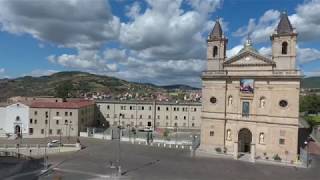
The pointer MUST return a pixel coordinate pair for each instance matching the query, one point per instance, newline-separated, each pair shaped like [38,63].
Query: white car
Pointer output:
[54,143]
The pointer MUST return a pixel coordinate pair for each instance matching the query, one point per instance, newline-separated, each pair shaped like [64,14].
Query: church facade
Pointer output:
[250,102]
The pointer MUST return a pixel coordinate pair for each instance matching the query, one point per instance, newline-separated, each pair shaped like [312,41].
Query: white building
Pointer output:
[14,119]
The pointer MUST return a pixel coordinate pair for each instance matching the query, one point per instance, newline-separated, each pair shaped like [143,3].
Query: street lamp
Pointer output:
[119,147]
[307,149]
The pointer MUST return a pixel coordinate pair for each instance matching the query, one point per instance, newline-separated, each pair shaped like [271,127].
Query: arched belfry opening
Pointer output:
[284,48]
[244,140]
[215,51]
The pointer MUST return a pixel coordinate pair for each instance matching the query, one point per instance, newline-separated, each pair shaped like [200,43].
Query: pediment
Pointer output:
[249,58]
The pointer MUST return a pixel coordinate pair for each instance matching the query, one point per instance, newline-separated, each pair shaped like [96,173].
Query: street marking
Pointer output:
[82,172]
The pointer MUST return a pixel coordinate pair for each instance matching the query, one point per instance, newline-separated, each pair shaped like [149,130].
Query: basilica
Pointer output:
[250,104]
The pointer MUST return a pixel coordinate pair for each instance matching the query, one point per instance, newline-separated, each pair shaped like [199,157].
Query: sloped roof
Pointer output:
[217,31]
[62,105]
[284,26]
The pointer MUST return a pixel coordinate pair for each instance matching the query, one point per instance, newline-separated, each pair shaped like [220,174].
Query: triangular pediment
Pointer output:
[249,58]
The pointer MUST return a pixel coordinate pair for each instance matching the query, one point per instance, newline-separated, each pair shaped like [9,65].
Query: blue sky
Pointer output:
[157,41]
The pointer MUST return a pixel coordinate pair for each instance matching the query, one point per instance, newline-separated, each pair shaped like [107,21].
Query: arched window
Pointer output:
[215,51]
[284,48]
[18,118]
[262,102]
[229,138]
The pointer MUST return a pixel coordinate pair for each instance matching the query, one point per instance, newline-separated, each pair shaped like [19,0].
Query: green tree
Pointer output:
[64,90]
[310,103]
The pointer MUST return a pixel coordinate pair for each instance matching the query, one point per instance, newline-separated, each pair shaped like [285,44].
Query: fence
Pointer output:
[162,136]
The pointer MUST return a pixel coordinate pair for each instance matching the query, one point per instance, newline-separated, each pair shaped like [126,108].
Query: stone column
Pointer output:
[253,152]
[235,150]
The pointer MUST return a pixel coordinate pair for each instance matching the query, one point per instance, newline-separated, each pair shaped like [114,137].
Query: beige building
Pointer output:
[250,102]
[51,118]
[154,114]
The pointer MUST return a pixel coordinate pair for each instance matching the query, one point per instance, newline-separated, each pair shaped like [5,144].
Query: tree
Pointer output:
[310,104]
[64,90]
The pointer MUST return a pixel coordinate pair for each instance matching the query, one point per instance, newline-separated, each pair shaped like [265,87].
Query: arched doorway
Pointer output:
[17,130]
[244,140]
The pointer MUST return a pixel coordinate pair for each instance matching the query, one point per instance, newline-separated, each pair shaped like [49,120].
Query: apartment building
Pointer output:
[60,118]
[154,114]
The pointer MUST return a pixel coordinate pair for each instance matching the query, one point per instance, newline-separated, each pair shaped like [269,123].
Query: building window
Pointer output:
[149,117]
[211,133]
[230,100]
[46,121]
[30,131]
[31,121]
[70,113]
[65,121]
[65,113]
[192,124]
[35,113]
[108,107]
[140,116]
[158,117]
[115,115]
[167,109]
[57,114]
[167,117]
[18,118]
[262,102]
[184,117]
[50,131]
[174,108]
[176,117]
[215,51]
[57,121]
[283,103]
[108,116]
[175,124]
[213,100]
[150,108]
[158,108]
[35,121]
[177,108]
[142,108]
[195,109]
[282,141]
[132,116]
[58,131]
[193,118]
[42,131]
[284,48]
[167,124]
[115,123]
[130,107]
[245,109]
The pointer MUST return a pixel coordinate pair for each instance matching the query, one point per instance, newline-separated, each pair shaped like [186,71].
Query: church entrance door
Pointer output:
[244,140]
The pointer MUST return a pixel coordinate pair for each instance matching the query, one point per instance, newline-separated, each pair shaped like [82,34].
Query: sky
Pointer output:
[151,41]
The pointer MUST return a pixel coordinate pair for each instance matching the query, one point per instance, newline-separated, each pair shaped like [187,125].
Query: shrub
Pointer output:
[276,157]
[218,150]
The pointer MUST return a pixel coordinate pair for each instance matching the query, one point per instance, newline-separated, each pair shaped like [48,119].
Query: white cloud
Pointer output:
[306,20]
[2,70]
[233,51]
[41,72]
[306,55]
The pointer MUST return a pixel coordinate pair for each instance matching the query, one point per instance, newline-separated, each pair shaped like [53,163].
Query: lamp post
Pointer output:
[119,146]
[307,149]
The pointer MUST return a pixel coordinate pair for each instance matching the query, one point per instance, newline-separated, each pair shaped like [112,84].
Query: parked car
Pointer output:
[54,143]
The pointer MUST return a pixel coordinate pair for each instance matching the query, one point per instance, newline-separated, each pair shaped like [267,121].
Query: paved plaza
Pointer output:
[140,162]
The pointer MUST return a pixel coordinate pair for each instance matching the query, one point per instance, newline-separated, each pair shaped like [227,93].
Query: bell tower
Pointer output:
[284,41]
[216,50]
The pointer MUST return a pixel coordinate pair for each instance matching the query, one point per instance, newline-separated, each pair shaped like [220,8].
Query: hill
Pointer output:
[82,82]
[311,82]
